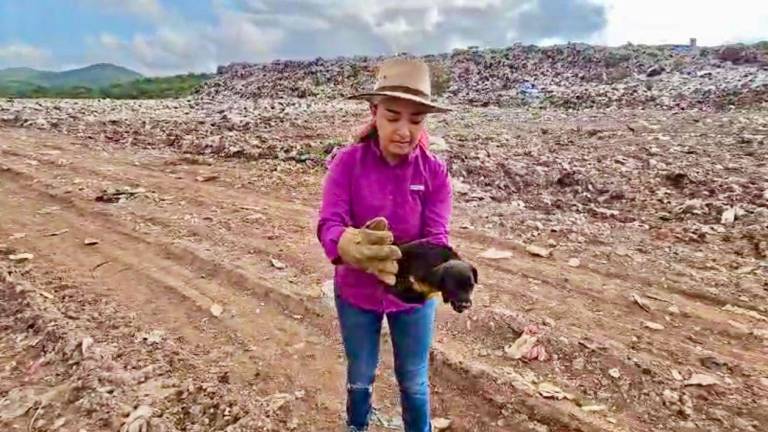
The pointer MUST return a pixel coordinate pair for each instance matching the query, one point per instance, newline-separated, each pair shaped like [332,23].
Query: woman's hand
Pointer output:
[370,248]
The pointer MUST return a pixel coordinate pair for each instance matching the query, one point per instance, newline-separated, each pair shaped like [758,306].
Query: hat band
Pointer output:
[403,89]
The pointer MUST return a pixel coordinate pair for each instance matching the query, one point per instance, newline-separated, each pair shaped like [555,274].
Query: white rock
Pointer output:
[538,251]
[614,373]
[653,326]
[440,424]
[495,254]
[728,217]
[702,380]
[574,262]
[216,310]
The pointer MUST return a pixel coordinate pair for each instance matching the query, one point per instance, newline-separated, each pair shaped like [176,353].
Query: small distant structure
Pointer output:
[692,43]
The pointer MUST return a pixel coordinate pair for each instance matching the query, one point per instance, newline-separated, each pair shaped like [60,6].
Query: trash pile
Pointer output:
[573,76]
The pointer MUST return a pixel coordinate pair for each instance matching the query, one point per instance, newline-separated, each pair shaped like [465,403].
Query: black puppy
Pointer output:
[426,270]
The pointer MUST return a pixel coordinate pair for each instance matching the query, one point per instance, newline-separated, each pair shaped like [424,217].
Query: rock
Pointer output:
[61,421]
[670,397]
[138,421]
[593,408]
[206,177]
[21,257]
[440,424]
[655,71]
[57,233]
[277,264]
[746,312]
[90,242]
[676,375]
[114,195]
[494,254]
[551,391]
[85,345]
[640,302]
[653,326]
[574,262]
[615,373]
[764,382]
[673,310]
[538,251]
[153,337]
[17,236]
[216,310]
[728,217]
[701,380]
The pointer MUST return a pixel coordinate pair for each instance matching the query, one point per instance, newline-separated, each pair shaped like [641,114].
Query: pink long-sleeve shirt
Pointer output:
[414,195]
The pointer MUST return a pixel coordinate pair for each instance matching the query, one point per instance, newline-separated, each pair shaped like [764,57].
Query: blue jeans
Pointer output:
[411,333]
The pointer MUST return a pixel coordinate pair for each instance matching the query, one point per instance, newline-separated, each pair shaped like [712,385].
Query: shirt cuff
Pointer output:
[331,243]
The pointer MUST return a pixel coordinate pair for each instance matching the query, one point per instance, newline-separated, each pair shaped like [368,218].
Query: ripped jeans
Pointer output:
[411,333]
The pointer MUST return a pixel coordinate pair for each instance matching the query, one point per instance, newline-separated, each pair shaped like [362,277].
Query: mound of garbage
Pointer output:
[570,76]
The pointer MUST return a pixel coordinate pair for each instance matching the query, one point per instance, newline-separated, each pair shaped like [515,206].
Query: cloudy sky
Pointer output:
[159,37]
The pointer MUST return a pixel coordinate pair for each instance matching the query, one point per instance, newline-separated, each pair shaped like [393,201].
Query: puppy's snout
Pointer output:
[461,306]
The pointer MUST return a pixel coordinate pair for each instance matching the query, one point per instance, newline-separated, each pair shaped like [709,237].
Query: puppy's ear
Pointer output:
[474,272]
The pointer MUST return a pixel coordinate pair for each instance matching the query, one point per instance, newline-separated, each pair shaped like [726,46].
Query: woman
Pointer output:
[385,188]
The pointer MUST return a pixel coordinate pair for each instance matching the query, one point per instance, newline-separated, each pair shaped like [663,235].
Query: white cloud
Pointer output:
[176,48]
[21,54]
[151,9]
[676,21]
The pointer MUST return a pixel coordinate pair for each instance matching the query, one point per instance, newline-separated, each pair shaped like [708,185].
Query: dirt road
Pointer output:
[195,236]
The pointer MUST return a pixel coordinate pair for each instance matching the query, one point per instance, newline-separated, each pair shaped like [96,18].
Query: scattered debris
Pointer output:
[742,311]
[593,408]
[670,398]
[274,402]
[49,210]
[713,363]
[120,194]
[387,422]
[138,420]
[216,310]
[527,346]
[152,338]
[495,254]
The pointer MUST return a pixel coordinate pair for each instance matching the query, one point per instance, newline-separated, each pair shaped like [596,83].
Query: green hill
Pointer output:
[97,75]
[142,88]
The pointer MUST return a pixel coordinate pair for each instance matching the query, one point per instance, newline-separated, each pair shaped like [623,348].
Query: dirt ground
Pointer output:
[203,303]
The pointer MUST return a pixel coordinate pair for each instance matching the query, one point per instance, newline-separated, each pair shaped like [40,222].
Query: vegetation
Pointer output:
[97,75]
[142,88]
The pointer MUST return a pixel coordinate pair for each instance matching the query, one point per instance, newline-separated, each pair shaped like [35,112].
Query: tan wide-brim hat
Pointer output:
[405,79]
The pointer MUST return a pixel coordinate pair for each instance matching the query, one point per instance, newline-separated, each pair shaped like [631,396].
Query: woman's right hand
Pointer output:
[370,249]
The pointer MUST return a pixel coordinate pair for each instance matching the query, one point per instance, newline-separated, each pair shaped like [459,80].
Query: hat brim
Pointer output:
[431,106]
